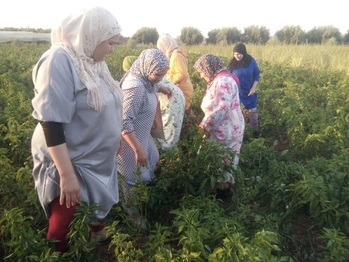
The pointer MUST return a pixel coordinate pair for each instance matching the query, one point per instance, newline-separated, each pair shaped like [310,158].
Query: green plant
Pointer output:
[21,242]
[337,247]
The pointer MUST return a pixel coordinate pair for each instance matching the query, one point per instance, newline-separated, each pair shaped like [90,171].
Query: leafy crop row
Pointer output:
[290,201]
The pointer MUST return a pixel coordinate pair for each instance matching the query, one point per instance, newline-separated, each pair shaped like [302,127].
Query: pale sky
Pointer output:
[202,15]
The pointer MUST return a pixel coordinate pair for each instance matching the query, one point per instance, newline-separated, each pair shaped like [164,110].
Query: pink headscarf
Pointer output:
[167,44]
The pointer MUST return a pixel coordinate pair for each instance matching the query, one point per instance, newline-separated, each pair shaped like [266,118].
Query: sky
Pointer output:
[202,15]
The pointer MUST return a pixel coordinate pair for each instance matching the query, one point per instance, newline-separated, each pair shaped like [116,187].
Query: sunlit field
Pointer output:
[321,57]
[291,197]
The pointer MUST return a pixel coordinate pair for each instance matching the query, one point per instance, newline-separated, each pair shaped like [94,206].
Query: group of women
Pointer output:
[92,127]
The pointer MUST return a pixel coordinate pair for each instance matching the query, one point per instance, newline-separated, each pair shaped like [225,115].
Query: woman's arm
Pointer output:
[57,148]
[217,102]
[255,75]
[253,88]
[69,184]
[140,154]
[165,90]
[133,99]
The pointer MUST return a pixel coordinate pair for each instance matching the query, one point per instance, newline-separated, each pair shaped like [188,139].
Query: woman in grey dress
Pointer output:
[79,107]
[139,151]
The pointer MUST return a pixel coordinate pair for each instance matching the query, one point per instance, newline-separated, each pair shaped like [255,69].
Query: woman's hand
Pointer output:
[252,91]
[119,148]
[70,190]
[69,184]
[141,157]
[253,88]
[166,91]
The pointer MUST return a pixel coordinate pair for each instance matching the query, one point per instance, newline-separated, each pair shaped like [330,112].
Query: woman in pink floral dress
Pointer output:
[223,118]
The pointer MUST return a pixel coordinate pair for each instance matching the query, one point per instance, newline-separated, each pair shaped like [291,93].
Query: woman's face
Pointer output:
[238,56]
[105,48]
[157,77]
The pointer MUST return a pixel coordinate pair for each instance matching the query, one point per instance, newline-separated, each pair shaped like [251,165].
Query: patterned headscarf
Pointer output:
[79,35]
[167,44]
[150,61]
[210,65]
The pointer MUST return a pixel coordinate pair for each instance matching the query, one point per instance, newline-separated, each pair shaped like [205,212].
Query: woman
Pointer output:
[223,118]
[245,67]
[172,109]
[178,72]
[172,113]
[139,152]
[79,107]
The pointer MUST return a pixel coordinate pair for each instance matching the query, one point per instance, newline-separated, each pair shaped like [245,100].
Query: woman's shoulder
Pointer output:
[136,84]
[253,60]
[225,77]
[53,59]
[254,64]
[55,55]
[179,53]
[55,52]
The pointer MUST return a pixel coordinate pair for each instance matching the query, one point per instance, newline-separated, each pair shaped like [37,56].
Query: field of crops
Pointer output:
[8,36]
[291,198]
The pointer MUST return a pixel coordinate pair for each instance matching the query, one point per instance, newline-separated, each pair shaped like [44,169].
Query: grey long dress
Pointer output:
[92,137]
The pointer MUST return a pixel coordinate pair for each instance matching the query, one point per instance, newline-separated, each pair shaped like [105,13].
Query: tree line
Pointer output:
[293,35]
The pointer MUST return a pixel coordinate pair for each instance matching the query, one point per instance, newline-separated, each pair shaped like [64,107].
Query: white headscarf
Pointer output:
[79,35]
[167,44]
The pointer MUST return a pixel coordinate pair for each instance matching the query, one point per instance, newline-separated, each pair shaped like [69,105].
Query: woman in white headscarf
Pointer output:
[79,108]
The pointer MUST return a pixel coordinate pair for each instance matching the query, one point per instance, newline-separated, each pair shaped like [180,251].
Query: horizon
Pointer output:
[2,29]
[134,15]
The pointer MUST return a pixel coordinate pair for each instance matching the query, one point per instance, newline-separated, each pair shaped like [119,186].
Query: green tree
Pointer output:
[323,34]
[191,36]
[212,36]
[291,35]
[146,35]
[314,36]
[330,33]
[229,35]
[256,34]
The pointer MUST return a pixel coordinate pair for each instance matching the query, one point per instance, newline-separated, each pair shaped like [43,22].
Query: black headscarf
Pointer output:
[246,60]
